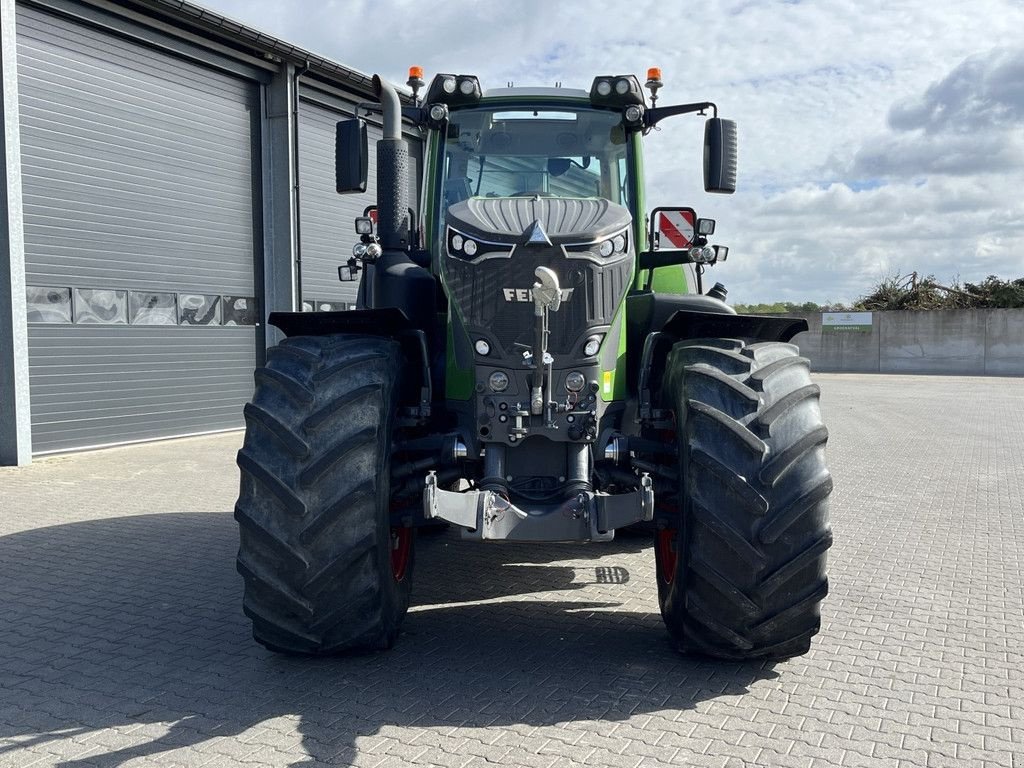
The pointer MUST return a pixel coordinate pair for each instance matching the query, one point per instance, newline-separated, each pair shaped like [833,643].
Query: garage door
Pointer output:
[139,237]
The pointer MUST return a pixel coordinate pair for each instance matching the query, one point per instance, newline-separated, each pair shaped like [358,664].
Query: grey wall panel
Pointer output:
[327,217]
[100,385]
[137,165]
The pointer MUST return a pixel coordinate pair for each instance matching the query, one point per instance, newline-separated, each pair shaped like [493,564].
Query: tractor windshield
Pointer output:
[555,152]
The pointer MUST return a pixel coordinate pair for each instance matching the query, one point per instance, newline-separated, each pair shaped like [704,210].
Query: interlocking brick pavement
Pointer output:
[122,641]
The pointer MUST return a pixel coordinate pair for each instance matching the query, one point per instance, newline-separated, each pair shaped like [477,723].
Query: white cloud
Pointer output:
[875,136]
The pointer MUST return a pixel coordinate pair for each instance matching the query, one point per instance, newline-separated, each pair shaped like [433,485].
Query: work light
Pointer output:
[616,91]
[454,90]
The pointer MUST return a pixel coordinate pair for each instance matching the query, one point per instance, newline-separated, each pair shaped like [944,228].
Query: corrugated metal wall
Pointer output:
[137,176]
[328,232]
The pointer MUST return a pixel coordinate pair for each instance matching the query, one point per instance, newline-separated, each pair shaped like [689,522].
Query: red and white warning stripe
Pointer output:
[676,227]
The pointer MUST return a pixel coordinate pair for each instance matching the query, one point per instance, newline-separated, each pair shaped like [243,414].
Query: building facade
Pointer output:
[169,182]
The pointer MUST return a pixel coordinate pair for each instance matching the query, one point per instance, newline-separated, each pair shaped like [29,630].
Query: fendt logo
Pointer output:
[526,294]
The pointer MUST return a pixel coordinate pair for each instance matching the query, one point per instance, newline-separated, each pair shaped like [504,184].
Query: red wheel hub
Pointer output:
[666,554]
[401,548]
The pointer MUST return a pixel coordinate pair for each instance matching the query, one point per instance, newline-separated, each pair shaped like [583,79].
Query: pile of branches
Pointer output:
[914,293]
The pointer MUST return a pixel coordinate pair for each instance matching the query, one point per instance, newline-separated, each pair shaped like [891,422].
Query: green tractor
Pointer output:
[534,360]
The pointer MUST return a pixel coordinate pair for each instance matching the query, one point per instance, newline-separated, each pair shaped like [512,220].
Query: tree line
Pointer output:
[911,292]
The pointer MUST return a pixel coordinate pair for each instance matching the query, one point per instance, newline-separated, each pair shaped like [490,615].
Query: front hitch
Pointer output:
[586,516]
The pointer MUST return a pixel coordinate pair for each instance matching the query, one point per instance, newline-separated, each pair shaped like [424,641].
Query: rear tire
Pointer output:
[324,570]
[741,559]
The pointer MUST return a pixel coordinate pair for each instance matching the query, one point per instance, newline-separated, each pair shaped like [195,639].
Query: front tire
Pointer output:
[325,572]
[741,554]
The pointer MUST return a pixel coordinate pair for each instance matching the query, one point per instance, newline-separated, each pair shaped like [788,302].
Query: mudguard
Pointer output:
[387,321]
[688,324]
[657,321]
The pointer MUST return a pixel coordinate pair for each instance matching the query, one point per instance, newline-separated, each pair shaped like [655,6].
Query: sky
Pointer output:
[877,137]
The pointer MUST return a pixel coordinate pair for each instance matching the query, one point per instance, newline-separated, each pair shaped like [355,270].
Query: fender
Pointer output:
[389,322]
[691,324]
[657,321]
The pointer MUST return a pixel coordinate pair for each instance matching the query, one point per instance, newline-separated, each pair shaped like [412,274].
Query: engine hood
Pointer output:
[563,221]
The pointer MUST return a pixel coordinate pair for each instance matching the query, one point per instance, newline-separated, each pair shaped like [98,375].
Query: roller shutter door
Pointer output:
[327,228]
[139,236]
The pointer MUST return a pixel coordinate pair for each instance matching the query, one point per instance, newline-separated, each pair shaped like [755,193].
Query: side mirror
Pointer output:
[720,152]
[351,156]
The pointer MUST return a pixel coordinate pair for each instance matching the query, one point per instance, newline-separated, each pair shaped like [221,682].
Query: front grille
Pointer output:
[479,290]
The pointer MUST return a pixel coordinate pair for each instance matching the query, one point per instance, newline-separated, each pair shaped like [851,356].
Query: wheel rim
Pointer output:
[401,548]
[667,555]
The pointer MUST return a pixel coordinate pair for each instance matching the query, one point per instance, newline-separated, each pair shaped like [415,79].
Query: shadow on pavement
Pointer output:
[135,623]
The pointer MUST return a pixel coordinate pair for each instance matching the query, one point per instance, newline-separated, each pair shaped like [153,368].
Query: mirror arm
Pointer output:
[656,259]
[653,116]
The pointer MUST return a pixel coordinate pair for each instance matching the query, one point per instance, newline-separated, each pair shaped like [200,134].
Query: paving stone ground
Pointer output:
[122,641]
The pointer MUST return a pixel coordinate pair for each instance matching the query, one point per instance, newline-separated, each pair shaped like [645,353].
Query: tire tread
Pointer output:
[752,507]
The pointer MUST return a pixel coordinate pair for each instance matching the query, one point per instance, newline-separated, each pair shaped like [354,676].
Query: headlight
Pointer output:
[482,347]
[604,87]
[498,381]
[592,346]
[606,248]
[359,250]
[464,247]
[448,84]
[622,86]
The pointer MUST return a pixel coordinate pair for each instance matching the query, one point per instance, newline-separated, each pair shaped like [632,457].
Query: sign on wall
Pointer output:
[832,322]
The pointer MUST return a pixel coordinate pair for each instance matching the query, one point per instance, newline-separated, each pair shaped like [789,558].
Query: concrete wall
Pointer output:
[962,341]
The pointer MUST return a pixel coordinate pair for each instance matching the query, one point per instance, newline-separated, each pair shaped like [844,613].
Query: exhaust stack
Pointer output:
[392,173]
